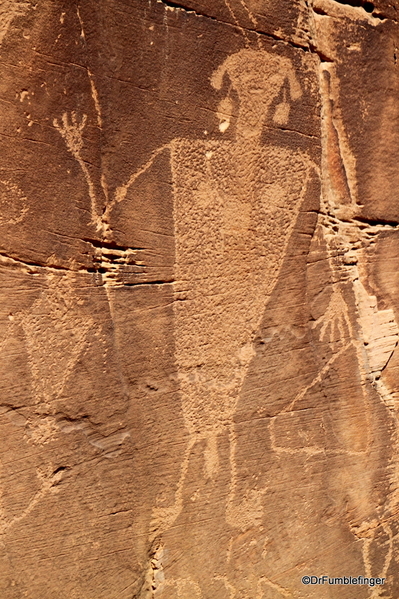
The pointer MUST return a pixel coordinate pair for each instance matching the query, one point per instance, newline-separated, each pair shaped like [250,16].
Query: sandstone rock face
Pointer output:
[199,316]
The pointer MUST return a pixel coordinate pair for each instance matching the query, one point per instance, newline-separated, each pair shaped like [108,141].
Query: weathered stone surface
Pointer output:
[199,254]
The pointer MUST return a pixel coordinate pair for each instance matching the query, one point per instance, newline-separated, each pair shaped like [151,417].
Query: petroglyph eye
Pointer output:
[205,196]
[256,90]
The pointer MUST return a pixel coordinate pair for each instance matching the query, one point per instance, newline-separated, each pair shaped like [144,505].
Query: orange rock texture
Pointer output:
[199,299]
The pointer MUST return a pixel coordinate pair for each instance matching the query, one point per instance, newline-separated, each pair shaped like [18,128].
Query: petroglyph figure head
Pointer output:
[257,77]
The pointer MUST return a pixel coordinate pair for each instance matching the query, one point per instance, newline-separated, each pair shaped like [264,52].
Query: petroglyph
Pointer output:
[339,163]
[333,326]
[230,213]
[55,331]
[185,588]
[373,333]
[255,334]
[49,481]
[264,580]
[248,512]
[232,14]
[164,517]
[335,322]
[13,203]
[234,211]
[377,331]
[251,16]
[366,531]
[96,99]
[71,129]
[9,10]
[229,587]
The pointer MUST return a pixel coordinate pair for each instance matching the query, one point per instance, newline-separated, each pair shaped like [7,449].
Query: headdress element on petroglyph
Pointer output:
[257,77]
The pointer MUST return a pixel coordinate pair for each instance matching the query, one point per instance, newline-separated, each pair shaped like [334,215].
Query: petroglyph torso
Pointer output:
[235,206]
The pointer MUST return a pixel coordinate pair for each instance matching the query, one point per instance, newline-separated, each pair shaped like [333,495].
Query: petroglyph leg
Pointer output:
[229,587]
[264,580]
[211,456]
[56,333]
[13,203]
[245,511]
[318,378]
[367,533]
[233,15]
[164,517]
[250,14]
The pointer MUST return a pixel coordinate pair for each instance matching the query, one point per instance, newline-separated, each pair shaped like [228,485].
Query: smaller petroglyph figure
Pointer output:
[372,333]
[369,335]
[9,9]
[13,203]
[55,331]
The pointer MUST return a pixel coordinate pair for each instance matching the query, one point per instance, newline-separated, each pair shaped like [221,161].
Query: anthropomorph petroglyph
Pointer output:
[234,210]
[374,333]
[370,336]
[9,9]
[13,203]
[55,331]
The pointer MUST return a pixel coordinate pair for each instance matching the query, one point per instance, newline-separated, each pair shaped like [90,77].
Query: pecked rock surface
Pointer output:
[199,257]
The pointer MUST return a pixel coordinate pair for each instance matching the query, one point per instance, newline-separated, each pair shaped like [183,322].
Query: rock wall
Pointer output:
[199,281]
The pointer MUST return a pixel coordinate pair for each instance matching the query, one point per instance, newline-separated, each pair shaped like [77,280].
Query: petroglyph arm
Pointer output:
[71,129]
[121,191]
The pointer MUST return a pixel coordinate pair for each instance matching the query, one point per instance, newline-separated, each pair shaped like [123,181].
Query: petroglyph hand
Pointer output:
[71,130]
[335,323]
